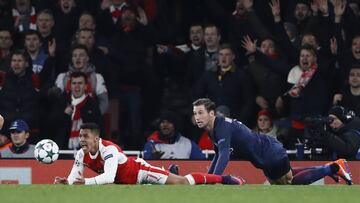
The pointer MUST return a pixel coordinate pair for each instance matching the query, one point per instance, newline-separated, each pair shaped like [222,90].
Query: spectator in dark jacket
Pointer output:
[309,81]
[229,86]
[343,136]
[19,94]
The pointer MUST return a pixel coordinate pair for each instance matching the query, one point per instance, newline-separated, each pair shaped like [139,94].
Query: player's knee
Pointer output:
[177,180]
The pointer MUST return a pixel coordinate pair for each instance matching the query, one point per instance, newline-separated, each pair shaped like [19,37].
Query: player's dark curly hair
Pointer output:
[208,104]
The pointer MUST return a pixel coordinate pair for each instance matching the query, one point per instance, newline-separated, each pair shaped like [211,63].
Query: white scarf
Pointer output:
[76,101]
[16,16]
[116,11]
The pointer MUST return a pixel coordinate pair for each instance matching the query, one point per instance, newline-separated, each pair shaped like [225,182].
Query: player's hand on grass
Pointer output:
[61,180]
[79,180]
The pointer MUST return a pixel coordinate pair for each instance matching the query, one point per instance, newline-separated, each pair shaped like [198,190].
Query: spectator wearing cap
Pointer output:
[343,136]
[169,143]
[20,148]
[265,125]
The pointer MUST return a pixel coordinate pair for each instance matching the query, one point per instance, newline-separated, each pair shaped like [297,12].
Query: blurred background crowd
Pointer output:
[136,66]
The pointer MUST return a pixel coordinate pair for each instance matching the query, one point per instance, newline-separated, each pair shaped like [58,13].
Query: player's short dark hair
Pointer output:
[208,104]
[93,127]
[78,74]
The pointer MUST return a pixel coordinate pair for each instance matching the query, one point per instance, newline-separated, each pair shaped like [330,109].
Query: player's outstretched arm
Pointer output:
[213,163]
[222,161]
[77,169]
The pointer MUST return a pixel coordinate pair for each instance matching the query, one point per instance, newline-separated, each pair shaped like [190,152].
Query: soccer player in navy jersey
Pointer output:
[264,152]
[113,166]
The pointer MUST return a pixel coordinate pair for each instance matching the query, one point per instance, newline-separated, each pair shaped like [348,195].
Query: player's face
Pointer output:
[354,77]
[89,142]
[18,138]
[202,116]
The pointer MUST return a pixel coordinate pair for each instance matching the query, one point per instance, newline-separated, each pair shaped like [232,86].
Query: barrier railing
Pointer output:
[207,153]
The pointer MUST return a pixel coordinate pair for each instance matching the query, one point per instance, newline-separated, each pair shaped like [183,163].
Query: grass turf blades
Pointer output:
[179,193]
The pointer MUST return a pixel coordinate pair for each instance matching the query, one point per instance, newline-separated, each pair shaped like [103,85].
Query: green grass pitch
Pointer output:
[178,193]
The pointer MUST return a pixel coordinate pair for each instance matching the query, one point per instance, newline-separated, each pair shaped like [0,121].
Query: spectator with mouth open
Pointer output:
[309,95]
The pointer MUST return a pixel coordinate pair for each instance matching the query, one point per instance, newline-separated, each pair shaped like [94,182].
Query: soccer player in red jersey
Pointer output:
[113,166]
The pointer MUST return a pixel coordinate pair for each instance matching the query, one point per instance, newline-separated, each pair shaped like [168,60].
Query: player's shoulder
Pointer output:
[225,121]
[110,145]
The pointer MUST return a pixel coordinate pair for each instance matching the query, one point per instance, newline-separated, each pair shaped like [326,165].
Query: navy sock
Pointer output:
[311,175]
[299,169]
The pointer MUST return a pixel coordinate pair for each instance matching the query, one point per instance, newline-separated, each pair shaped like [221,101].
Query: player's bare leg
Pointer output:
[176,180]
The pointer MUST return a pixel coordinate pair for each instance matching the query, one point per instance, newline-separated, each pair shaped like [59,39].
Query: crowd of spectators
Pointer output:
[120,63]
